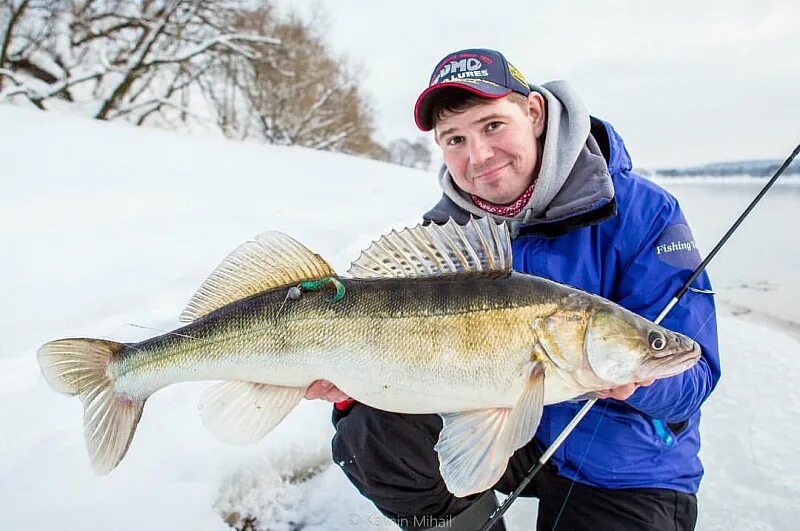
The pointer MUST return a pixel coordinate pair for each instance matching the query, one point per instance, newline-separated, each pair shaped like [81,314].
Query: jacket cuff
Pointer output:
[344,405]
[341,409]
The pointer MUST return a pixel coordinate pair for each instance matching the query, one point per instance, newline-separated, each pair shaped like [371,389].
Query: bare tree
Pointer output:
[119,58]
[169,62]
[297,94]
[415,154]
[25,26]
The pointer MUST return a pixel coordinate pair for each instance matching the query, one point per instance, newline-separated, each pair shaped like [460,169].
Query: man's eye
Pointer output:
[453,140]
[491,126]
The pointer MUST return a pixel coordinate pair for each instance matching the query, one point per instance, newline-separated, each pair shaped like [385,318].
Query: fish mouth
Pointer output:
[670,365]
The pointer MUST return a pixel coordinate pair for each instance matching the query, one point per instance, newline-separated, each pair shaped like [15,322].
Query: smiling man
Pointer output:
[532,156]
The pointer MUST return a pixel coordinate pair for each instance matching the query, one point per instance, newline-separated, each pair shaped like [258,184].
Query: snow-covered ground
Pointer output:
[106,230]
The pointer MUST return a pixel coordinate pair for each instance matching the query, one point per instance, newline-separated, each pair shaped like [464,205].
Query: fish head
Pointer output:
[621,347]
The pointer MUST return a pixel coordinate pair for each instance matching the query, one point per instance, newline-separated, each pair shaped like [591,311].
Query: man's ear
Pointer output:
[536,110]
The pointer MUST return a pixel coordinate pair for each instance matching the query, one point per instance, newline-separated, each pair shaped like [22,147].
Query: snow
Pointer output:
[106,230]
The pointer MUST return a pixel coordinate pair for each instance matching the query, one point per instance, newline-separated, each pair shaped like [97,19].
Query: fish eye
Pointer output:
[657,340]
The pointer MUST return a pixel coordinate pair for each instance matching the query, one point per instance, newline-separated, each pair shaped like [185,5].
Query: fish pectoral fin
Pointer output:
[244,412]
[474,446]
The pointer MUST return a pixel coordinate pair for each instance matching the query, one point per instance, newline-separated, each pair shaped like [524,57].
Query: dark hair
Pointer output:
[455,101]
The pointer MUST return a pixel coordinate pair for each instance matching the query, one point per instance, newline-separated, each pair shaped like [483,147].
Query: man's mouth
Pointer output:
[490,174]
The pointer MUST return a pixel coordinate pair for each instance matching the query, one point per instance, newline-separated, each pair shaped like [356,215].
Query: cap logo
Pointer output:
[465,68]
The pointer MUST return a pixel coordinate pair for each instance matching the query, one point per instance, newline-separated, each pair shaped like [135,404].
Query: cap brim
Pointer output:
[422,109]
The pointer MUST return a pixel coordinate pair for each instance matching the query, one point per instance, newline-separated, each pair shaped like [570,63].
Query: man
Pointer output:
[533,157]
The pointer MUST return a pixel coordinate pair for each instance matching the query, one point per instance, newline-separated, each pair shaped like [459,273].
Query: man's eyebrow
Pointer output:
[487,118]
[493,116]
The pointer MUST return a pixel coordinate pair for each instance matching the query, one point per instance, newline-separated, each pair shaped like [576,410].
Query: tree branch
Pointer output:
[16,15]
[220,40]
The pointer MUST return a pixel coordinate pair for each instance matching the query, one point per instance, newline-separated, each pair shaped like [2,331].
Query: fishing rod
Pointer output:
[585,409]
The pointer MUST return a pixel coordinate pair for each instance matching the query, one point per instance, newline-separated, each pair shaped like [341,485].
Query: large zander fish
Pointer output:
[433,320]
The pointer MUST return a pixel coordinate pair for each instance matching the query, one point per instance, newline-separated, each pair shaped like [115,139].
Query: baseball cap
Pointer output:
[486,73]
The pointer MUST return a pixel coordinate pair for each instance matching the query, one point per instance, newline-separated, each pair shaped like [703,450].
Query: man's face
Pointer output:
[492,149]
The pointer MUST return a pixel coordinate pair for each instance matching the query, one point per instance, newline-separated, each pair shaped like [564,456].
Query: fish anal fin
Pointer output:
[474,446]
[244,412]
[271,260]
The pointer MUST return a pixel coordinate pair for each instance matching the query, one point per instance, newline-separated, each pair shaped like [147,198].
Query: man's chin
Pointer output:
[502,199]
[495,192]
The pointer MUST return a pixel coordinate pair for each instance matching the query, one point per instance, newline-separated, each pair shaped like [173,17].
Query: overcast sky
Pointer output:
[683,82]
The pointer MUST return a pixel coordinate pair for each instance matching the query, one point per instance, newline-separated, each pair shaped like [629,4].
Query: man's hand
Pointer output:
[623,392]
[325,390]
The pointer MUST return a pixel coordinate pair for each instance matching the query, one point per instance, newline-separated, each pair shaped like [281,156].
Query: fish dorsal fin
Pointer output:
[481,247]
[271,260]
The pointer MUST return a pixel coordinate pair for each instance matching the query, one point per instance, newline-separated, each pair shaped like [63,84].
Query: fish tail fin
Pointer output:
[79,367]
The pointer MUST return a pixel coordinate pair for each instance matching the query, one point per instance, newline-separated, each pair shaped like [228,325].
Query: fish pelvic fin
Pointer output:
[271,260]
[79,367]
[244,412]
[474,446]
[480,247]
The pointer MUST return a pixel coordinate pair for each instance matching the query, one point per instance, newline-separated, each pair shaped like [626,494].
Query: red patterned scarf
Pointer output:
[510,210]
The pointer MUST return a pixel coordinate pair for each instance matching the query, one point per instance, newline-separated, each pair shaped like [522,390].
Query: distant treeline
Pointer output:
[752,168]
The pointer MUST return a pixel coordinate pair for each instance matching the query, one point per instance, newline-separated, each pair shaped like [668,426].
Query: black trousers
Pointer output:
[389,457]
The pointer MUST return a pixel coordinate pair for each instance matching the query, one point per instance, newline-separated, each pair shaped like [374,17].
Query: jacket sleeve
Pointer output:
[663,262]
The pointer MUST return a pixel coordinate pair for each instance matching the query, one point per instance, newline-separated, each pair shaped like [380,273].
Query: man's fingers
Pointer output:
[336,395]
[318,389]
[325,390]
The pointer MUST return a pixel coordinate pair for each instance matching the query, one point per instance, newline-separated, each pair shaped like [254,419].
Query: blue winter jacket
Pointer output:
[638,252]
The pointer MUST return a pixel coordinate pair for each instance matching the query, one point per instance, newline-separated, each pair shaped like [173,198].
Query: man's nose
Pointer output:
[479,151]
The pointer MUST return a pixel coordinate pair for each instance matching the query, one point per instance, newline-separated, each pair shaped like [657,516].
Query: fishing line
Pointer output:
[686,286]
[167,332]
[704,324]
[133,346]
[583,460]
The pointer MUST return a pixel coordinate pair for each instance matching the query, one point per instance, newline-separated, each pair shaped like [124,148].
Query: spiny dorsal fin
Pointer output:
[480,246]
[272,260]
